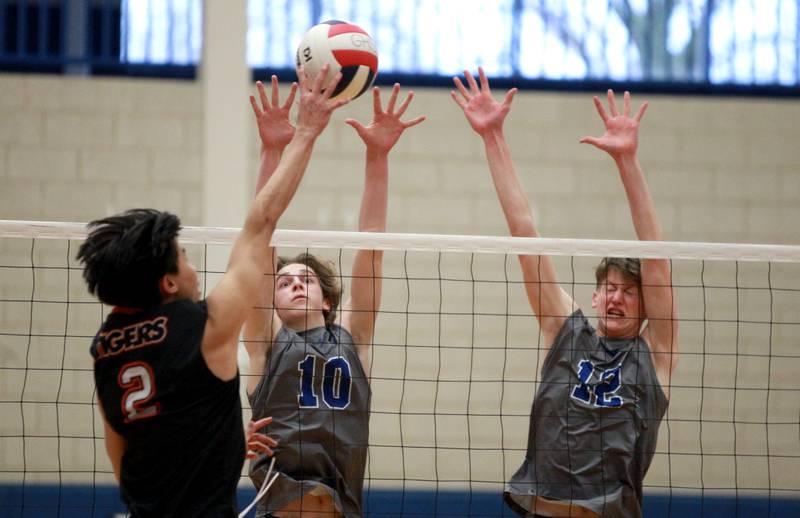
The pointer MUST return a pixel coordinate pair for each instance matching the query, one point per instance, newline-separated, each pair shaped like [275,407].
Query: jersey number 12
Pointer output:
[602,394]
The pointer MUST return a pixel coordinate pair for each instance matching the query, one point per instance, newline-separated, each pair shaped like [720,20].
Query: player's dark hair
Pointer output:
[126,255]
[627,266]
[328,280]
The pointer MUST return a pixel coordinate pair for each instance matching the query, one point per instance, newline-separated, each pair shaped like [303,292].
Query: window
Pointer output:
[739,42]
[161,32]
[119,37]
[675,45]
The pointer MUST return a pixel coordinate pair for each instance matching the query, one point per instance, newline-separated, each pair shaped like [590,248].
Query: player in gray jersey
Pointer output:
[309,364]
[604,388]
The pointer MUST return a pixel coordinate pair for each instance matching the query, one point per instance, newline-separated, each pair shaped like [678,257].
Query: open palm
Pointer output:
[483,112]
[622,131]
[274,127]
[386,127]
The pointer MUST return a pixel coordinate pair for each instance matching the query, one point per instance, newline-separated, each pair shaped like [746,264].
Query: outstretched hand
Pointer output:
[316,105]
[622,131]
[483,112]
[258,443]
[386,127]
[272,118]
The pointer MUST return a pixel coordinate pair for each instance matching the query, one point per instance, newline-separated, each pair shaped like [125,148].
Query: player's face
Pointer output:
[618,305]
[299,300]
[186,278]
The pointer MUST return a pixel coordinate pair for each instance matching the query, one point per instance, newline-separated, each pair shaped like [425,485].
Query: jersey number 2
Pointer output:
[140,386]
[335,383]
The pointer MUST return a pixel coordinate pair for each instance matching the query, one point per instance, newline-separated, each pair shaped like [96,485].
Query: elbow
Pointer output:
[270,223]
[522,228]
[261,219]
[268,216]
[372,228]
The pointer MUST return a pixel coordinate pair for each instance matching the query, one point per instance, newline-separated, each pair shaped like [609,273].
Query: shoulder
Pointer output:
[284,331]
[575,324]
[186,306]
[575,328]
[342,334]
[185,313]
[644,342]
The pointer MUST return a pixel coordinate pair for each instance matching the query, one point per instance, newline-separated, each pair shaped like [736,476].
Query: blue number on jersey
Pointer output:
[583,392]
[307,398]
[607,388]
[604,393]
[336,381]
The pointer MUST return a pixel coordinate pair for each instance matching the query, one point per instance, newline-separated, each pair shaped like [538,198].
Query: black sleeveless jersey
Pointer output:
[182,425]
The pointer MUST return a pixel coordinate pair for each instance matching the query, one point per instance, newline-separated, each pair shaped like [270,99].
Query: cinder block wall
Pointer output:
[74,149]
[720,169]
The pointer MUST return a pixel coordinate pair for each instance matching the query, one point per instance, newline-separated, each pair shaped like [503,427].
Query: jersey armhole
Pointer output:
[568,326]
[661,391]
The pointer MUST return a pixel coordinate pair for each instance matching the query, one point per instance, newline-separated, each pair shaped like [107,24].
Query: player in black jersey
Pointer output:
[602,391]
[309,364]
[166,362]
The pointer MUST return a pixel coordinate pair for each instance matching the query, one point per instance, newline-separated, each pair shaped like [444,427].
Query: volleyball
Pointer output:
[344,47]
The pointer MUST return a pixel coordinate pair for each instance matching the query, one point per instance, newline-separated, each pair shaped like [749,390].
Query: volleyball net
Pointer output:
[456,362]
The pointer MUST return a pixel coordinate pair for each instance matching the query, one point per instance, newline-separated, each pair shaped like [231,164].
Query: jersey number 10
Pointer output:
[335,383]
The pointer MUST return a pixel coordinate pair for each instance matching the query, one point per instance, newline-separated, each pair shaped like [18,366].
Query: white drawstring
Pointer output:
[264,488]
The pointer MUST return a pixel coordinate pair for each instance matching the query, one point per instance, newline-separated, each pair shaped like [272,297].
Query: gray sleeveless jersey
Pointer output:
[315,389]
[593,425]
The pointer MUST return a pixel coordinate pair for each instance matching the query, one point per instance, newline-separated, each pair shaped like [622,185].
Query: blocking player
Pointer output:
[604,388]
[310,359]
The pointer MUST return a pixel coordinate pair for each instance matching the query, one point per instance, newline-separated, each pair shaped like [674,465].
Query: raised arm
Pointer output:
[620,141]
[361,309]
[275,132]
[240,289]
[274,128]
[550,303]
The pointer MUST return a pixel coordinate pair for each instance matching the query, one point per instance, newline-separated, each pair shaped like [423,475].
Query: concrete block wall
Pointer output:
[720,169]
[74,149]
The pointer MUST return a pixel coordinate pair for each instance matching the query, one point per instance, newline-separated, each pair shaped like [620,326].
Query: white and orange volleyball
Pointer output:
[345,47]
